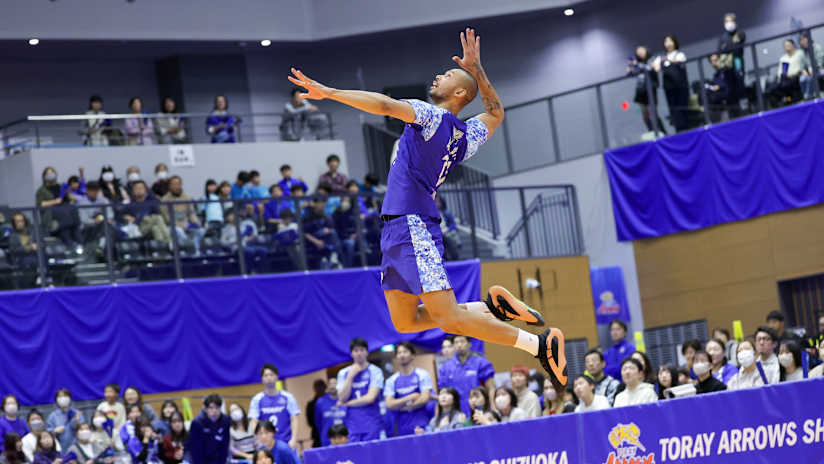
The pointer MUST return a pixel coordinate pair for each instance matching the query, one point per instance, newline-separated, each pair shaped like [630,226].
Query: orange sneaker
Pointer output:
[504,306]
[552,356]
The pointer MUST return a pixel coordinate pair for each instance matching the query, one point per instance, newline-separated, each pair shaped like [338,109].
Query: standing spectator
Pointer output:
[808,74]
[320,390]
[775,321]
[170,128]
[706,382]
[554,400]
[328,412]
[338,435]
[144,211]
[63,421]
[604,384]
[220,124]
[113,410]
[143,445]
[46,452]
[84,448]
[640,67]
[789,356]
[720,368]
[161,185]
[138,130]
[676,86]
[506,403]
[732,58]
[447,352]
[620,349]
[37,424]
[333,178]
[242,434]
[359,386]
[766,341]
[211,207]
[132,396]
[209,433]
[298,114]
[174,442]
[112,189]
[527,399]
[280,452]
[748,376]
[13,450]
[688,350]
[717,89]
[787,88]
[288,181]
[667,378]
[584,388]
[10,421]
[276,406]
[467,369]
[408,391]
[637,391]
[95,130]
[186,222]
[239,188]
[448,415]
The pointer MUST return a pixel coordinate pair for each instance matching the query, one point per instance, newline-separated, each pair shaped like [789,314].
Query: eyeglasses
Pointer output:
[763,339]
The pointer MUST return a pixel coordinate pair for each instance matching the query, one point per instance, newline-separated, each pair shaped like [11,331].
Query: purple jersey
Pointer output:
[277,409]
[398,386]
[363,419]
[464,377]
[428,149]
[327,414]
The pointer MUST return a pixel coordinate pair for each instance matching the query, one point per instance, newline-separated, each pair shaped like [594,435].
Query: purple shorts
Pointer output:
[412,250]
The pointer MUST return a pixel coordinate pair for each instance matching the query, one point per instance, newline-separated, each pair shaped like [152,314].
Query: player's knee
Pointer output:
[454,325]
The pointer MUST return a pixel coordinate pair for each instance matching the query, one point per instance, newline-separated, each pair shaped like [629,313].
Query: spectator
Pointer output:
[649,374]
[451,238]
[170,128]
[683,376]
[132,176]
[555,401]
[618,351]
[789,356]
[667,378]
[359,386]
[765,342]
[112,189]
[241,435]
[479,406]
[256,191]
[408,391]
[706,382]
[161,185]
[276,406]
[240,187]
[174,442]
[96,214]
[719,367]
[298,114]
[220,124]
[60,216]
[76,185]
[466,370]
[287,237]
[371,184]
[808,74]
[83,447]
[186,222]
[527,399]
[447,352]
[448,415]
[676,86]
[333,178]
[138,130]
[748,375]
[63,421]
[133,413]
[13,450]
[95,130]
[212,209]
[637,391]
[319,230]
[102,437]
[46,452]
[10,421]
[131,396]
[224,192]
[319,386]
[48,195]
[279,451]
[338,435]
[163,426]
[22,244]
[144,212]
[818,370]
[640,67]
[208,441]
[787,87]
[733,59]
[271,212]
[588,400]
[605,385]
[28,443]
[143,445]
[688,350]
[775,321]
[288,182]
[717,89]
[730,346]
[328,412]
[113,410]
[506,403]
[255,254]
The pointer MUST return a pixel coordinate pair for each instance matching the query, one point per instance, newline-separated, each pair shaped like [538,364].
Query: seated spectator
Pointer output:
[139,131]
[706,382]
[168,408]
[667,378]
[298,114]
[319,231]
[787,87]
[720,368]
[683,376]
[448,415]
[333,178]
[83,447]
[789,357]
[133,413]
[95,130]
[451,238]
[64,420]
[555,400]
[102,436]
[584,388]
[278,450]
[241,435]
[174,442]
[818,370]
[113,410]
[808,75]
[408,391]
[287,236]
[131,396]
[170,128]
[161,185]
[224,193]
[240,187]
[338,435]
[604,385]
[22,244]
[637,391]
[96,214]
[527,399]
[688,350]
[211,206]
[288,182]
[766,341]
[775,321]
[46,451]
[255,254]
[143,446]
[649,373]
[60,216]
[76,185]
[208,443]
[676,86]
[359,387]
[10,421]
[506,403]
[273,207]
[187,224]
[748,374]
[112,189]
[13,450]
[620,349]
[465,370]
[730,346]
[479,406]
[132,176]
[254,189]
[144,213]
[220,124]
[28,443]
[371,184]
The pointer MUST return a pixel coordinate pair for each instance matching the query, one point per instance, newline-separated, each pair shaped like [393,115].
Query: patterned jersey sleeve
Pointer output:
[424,378]
[375,377]
[476,134]
[389,387]
[427,116]
[254,407]
[292,405]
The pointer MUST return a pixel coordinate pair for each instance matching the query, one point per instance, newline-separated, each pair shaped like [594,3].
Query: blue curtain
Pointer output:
[170,336]
[742,169]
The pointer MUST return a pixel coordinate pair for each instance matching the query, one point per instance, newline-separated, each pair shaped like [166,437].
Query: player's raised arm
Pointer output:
[371,102]
[471,62]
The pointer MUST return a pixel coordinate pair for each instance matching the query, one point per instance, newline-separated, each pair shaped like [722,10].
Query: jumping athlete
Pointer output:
[433,141]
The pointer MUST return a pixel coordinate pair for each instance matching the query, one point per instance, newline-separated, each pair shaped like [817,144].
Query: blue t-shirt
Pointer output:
[283,454]
[327,414]
[256,191]
[59,418]
[366,418]
[17,426]
[428,149]
[277,409]
[464,377]
[614,355]
[398,386]
[286,185]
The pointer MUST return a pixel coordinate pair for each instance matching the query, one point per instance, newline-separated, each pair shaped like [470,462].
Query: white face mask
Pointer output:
[550,394]
[502,402]
[108,176]
[701,368]
[134,176]
[11,409]
[99,421]
[37,425]
[785,359]
[162,175]
[236,415]
[746,358]
[84,435]
[63,401]
[729,26]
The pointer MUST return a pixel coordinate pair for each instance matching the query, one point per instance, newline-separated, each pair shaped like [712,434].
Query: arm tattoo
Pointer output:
[491,101]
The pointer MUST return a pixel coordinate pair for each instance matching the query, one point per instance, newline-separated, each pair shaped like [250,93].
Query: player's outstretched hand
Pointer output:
[471,43]
[314,89]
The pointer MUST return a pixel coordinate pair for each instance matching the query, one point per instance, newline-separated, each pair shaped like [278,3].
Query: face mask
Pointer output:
[84,435]
[108,176]
[550,395]
[785,359]
[746,358]
[50,177]
[162,175]
[11,409]
[63,401]
[237,415]
[99,421]
[729,26]
[701,368]
[37,425]
[134,176]
[502,402]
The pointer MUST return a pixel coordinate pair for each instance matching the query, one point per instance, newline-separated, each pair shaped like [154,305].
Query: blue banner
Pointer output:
[738,170]
[609,294]
[168,336]
[781,423]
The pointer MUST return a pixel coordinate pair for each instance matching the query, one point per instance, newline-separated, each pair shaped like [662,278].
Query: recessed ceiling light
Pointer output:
[569,12]
[34,41]
[265,43]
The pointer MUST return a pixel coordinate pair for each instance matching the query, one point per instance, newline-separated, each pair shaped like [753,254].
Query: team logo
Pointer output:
[626,439]
[608,305]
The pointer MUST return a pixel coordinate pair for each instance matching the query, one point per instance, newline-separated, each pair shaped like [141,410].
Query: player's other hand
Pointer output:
[314,89]
[471,60]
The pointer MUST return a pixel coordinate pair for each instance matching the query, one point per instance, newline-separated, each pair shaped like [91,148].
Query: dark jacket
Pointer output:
[726,43]
[209,441]
[711,384]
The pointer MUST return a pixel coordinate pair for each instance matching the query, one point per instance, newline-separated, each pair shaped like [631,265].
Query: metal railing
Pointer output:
[537,231]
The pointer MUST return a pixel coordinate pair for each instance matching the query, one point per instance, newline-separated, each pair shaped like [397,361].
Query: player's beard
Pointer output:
[436,99]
